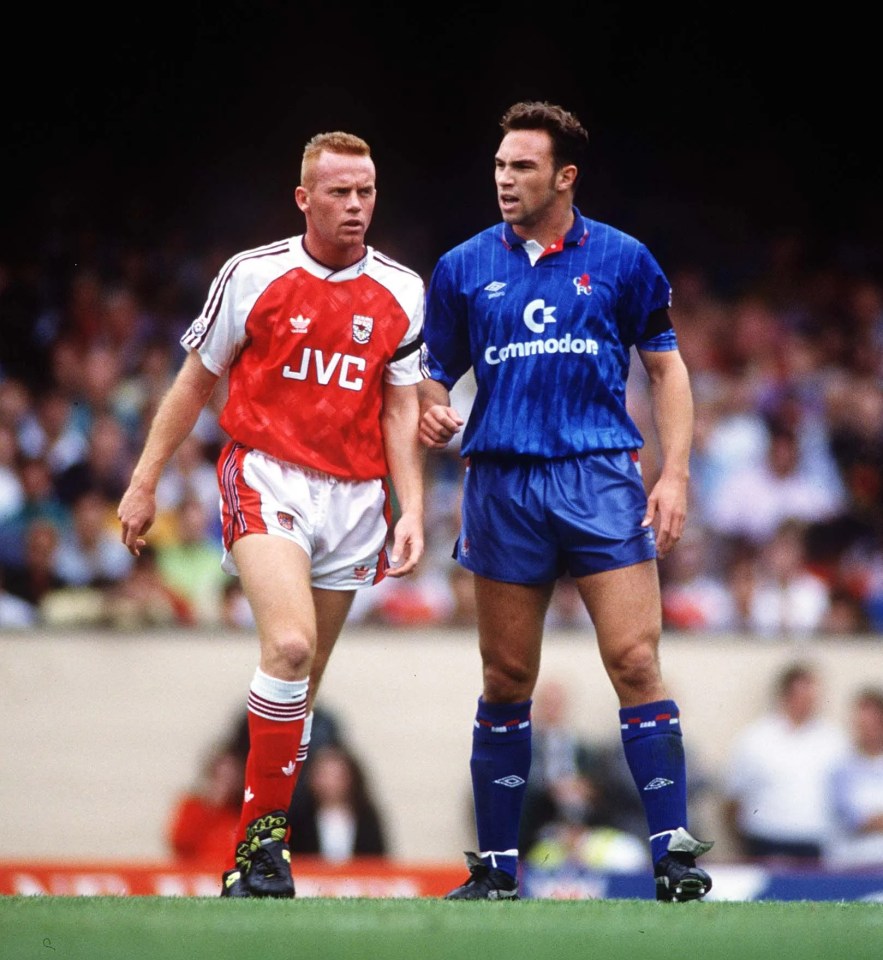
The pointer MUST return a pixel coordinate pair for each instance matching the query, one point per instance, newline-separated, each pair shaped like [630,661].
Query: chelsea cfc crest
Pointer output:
[362,327]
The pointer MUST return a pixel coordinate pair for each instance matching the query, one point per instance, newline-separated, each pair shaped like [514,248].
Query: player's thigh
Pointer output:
[625,608]
[275,576]
[332,608]
[510,634]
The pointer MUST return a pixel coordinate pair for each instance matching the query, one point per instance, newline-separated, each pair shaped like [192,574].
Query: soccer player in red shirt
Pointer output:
[320,337]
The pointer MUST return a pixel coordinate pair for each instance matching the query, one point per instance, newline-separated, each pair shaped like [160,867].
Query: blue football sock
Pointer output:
[654,749]
[500,764]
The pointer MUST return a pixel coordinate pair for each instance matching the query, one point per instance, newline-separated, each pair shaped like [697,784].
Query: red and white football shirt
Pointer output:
[308,349]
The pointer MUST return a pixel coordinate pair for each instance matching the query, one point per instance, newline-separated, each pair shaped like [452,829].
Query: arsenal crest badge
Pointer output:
[362,327]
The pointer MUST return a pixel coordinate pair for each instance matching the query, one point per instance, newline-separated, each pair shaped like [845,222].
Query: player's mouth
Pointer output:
[507,201]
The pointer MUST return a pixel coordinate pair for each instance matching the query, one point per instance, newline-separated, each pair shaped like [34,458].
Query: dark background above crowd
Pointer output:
[711,130]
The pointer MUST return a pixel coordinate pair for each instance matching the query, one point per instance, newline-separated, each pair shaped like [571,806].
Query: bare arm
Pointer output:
[439,421]
[672,402]
[405,457]
[174,419]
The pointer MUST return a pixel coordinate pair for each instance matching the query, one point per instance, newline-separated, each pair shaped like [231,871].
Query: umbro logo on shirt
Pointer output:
[495,289]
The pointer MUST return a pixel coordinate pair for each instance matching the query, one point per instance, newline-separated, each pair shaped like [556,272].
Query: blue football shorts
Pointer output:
[531,521]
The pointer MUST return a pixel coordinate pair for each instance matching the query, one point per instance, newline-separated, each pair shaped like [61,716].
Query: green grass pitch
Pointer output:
[156,928]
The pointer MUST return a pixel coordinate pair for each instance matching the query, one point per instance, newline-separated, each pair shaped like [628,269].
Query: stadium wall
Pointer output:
[101,732]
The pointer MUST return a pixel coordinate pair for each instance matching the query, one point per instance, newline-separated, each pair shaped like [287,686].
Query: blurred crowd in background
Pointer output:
[784,538]
[785,532]
[796,790]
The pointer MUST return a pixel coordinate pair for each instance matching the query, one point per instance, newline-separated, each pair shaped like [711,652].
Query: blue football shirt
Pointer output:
[549,343]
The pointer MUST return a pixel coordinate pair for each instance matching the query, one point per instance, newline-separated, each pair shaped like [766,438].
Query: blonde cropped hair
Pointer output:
[335,142]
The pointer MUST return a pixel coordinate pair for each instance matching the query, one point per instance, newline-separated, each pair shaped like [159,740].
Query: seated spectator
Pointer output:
[335,816]
[66,368]
[191,564]
[190,475]
[126,328]
[140,391]
[106,466]
[49,432]
[694,596]
[856,789]
[143,599]
[740,577]
[40,503]
[788,600]
[855,416]
[15,402]
[91,553]
[730,435]
[36,577]
[755,501]
[102,374]
[776,781]
[846,614]
[204,822]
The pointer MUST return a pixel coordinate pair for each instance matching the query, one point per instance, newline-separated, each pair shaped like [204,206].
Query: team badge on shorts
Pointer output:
[286,520]
[362,327]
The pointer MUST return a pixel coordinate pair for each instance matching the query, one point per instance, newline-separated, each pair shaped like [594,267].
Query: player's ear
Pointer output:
[301,198]
[567,176]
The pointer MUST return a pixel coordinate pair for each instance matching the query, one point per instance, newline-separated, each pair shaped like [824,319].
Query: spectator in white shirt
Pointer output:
[776,801]
[753,502]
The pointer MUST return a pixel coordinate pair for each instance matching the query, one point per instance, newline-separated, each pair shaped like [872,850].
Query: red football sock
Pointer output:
[276,713]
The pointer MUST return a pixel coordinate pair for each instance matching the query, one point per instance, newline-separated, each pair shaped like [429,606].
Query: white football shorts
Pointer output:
[342,525]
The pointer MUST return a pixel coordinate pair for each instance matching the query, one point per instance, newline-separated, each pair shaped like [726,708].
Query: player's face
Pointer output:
[337,200]
[527,182]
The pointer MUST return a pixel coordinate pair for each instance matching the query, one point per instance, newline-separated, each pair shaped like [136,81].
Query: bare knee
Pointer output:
[634,671]
[507,681]
[287,654]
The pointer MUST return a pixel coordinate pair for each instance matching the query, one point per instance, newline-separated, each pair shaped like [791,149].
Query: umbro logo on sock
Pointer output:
[511,781]
[657,783]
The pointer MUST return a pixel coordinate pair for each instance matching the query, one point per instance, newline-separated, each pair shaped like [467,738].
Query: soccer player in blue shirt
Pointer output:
[545,308]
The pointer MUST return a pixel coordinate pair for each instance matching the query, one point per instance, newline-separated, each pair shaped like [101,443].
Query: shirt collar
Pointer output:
[576,235]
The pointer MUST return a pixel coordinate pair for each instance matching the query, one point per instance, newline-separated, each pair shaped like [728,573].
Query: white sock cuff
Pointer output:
[279,691]
[308,730]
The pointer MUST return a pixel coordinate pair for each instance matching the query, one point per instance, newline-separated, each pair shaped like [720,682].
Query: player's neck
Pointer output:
[547,230]
[332,256]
